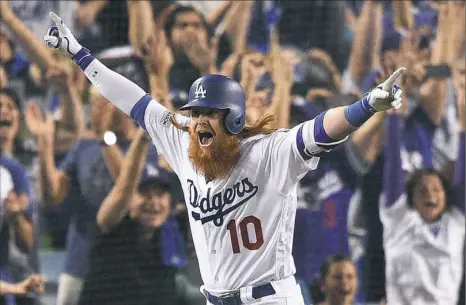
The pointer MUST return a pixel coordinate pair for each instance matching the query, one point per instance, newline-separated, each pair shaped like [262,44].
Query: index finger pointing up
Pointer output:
[388,84]
[58,22]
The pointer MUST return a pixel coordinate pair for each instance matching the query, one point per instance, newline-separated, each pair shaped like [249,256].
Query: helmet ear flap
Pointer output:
[234,122]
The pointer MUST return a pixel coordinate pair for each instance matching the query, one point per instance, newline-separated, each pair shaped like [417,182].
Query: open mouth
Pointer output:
[4,127]
[5,123]
[148,210]
[430,205]
[205,138]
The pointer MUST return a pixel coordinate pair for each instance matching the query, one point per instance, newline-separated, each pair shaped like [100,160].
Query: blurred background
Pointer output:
[294,59]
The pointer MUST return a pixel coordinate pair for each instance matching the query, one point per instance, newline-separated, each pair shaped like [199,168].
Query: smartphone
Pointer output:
[437,71]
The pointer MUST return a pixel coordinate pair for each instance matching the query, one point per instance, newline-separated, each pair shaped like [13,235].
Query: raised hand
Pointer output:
[60,37]
[59,75]
[252,68]
[387,95]
[201,54]
[37,124]
[5,10]
[159,57]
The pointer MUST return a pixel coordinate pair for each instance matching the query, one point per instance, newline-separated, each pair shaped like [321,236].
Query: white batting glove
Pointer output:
[60,37]
[387,95]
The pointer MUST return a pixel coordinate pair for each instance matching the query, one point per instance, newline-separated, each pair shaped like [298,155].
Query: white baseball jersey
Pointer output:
[242,225]
[422,267]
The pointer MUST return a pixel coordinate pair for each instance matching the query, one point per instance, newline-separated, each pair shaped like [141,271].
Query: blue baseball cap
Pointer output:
[156,177]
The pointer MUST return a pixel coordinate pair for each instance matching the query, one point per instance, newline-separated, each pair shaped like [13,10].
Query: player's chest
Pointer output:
[215,201]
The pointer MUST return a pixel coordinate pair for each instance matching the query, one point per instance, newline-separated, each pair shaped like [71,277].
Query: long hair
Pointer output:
[263,125]
[416,176]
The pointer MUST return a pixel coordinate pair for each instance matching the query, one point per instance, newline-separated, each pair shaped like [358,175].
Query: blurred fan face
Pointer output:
[187,26]
[429,197]
[212,150]
[9,119]
[389,60]
[151,206]
[340,284]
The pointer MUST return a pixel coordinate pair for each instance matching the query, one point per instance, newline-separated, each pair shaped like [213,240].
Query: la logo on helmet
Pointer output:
[200,91]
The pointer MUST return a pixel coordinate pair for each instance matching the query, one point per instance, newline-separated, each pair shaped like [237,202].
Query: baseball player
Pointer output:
[239,179]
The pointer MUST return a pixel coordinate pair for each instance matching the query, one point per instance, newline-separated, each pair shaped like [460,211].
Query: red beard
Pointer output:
[218,160]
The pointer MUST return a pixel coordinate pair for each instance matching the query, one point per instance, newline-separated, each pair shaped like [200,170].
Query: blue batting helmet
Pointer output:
[220,92]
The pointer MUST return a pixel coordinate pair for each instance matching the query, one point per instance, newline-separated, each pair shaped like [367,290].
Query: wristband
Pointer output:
[83,58]
[359,112]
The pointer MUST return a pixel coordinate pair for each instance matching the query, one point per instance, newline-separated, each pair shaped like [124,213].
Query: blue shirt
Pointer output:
[321,227]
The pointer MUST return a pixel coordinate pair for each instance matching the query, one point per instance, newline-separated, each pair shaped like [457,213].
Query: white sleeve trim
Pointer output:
[313,147]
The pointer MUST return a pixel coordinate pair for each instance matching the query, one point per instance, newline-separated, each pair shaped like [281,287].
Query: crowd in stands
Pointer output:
[381,220]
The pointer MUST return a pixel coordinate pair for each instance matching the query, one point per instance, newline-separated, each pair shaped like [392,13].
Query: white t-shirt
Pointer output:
[6,185]
[422,267]
[242,225]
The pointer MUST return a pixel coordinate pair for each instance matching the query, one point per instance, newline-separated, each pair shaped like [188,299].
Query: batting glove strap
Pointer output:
[83,58]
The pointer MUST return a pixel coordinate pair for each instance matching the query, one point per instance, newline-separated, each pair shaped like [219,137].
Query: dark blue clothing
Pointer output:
[91,182]
[321,228]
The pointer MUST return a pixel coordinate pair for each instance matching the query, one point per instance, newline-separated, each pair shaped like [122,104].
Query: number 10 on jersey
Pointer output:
[245,237]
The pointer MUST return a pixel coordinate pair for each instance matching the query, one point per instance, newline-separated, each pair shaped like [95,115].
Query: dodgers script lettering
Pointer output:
[218,202]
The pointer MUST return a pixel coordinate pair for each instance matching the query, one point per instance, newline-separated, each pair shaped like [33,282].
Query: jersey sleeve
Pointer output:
[286,160]
[156,120]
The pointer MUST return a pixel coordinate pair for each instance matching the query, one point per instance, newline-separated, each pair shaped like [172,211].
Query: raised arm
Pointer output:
[117,89]
[402,15]
[59,75]
[433,91]
[282,79]
[459,180]
[54,183]
[362,45]
[35,50]
[116,204]
[141,26]
[368,139]
[393,174]
[337,123]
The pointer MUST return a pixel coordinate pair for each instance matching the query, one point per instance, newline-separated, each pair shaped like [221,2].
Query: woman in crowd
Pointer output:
[423,223]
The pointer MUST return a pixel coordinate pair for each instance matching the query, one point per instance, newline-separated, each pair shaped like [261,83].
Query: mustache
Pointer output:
[221,157]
